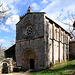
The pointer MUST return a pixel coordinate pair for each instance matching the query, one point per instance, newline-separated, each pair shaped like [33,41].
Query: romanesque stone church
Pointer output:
[40,41]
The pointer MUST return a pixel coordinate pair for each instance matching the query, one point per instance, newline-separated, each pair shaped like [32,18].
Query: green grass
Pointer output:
[61,69]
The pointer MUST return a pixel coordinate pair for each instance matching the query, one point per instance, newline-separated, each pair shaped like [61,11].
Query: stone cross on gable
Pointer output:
[29,9]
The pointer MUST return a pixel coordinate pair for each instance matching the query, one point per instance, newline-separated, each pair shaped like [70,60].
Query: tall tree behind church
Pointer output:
[3,14]
[71,23]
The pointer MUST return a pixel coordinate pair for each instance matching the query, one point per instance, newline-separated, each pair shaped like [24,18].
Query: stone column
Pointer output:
[59,43]
[64,47]
[53,25]
[68,45]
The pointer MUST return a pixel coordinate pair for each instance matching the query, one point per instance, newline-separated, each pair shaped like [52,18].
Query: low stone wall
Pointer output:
[72,49]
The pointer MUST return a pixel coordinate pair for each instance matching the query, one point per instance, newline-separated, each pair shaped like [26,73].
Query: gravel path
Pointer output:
[20,73]
[16,74]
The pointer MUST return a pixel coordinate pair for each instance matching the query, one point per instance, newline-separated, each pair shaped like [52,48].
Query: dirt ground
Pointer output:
[19,73]
[16,74]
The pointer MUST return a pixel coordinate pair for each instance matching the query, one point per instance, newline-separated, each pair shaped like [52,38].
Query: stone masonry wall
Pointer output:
[37,45]
[58,43]
[35,42]
[36,21]
[72,49]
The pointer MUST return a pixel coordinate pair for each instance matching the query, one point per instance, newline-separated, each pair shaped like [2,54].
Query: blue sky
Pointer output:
[53,9]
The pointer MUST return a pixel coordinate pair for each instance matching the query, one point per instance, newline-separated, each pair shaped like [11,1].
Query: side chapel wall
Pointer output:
[58,43]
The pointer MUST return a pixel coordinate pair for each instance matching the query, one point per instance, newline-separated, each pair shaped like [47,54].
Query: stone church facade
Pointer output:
[40,41]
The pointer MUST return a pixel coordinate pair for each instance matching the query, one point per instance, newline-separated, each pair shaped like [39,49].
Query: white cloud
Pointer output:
[13,9]
[4,28]
[11,21]
[60,8]
[44,1]
[10,4]
[56,5]
[0,31]
[35,6]
[49,7]
[2,41]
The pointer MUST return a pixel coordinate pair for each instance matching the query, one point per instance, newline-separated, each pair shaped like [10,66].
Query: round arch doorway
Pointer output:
[29,59]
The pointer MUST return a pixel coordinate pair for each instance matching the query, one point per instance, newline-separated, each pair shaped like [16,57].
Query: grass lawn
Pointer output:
[61,69]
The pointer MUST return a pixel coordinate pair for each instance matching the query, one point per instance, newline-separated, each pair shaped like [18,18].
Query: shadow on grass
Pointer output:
[59,69]
[62,69]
